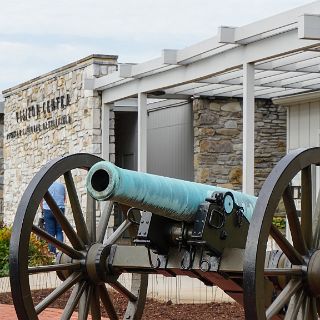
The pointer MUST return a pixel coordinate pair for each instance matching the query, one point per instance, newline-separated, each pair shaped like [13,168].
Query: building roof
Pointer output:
[93,58]
[284,50]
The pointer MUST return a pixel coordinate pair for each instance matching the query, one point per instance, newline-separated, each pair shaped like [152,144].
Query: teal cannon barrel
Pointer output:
[172,198]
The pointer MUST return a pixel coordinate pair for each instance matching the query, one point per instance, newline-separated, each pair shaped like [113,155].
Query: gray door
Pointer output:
[170,142]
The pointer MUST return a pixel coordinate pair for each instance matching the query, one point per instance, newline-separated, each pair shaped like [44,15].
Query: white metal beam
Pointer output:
[252,32]
[142,132]
[231,59]
[248,129]
[278,23]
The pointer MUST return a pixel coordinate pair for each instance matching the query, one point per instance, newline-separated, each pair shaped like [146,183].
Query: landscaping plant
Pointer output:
[39,253]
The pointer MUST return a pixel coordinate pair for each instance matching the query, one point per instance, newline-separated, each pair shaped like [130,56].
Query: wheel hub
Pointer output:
[313,273]
[96,264]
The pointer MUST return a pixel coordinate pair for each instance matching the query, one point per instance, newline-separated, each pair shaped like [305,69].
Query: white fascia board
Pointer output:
[232,59]
[309,26]
[297,99]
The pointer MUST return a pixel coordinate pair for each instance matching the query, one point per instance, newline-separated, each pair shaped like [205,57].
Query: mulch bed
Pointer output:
[155,309]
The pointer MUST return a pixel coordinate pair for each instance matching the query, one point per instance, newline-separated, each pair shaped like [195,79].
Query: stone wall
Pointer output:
[1,166]
[51,116]
[218,141]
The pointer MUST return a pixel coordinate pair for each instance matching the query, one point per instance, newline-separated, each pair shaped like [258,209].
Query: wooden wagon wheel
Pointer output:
[295,279]
[81,255]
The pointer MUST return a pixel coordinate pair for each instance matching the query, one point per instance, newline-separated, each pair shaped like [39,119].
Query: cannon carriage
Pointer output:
[175,227]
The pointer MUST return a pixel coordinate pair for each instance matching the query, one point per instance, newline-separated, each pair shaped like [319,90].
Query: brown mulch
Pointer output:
[155,309]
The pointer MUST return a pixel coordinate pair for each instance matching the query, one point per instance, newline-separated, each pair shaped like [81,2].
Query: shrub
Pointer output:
[279,222]
[38,251]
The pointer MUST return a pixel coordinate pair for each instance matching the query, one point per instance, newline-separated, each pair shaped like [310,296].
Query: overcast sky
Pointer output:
[37,36]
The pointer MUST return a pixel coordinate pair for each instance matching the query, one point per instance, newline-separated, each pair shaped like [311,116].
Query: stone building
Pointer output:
[218,141]
[47,117]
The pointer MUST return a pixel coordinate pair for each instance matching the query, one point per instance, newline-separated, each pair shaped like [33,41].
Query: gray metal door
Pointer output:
[170,142]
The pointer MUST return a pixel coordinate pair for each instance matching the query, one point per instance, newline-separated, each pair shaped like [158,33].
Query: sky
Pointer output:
[37,36]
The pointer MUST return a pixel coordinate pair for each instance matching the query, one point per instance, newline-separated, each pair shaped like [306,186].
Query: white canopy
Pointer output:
[275,57]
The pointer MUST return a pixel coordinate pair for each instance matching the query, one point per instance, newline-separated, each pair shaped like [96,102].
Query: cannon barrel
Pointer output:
[172,198]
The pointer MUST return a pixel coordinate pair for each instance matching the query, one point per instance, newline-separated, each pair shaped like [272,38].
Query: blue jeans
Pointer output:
[52,227]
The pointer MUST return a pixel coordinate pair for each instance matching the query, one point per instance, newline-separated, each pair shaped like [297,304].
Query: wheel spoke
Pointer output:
[294,223]
[58,244]
[65,224]
[294,306]
[284,296]
[55,294]
[316,217]
[84,303]
[73,300]
[104,221]
[275,272]
[76,208]
[106,300]
[306,309]
[292,254]
[306,205]
[313,308]
[91,218]
[54,267]
[95,304]
[118,233]
[318,305]
[124,291]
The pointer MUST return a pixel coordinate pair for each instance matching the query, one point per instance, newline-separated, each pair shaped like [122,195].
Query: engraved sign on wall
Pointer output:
[47,110]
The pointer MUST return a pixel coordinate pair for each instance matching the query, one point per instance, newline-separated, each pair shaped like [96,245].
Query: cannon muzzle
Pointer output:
[172,198]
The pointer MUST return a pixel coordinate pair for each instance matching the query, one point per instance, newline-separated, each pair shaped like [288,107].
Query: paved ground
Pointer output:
[7,312]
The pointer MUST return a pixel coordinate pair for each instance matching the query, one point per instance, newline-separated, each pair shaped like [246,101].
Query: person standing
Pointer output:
[51,225]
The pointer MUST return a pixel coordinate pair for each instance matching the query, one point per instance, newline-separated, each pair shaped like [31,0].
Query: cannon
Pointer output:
[219,236]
